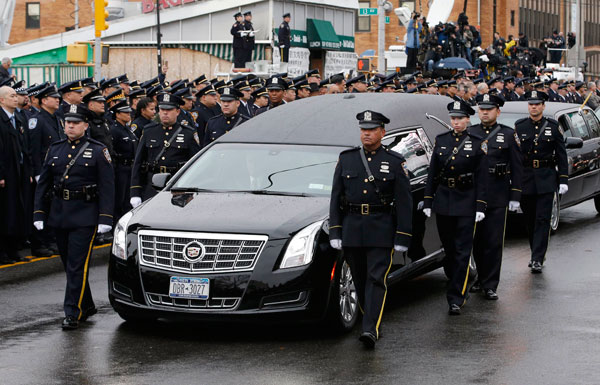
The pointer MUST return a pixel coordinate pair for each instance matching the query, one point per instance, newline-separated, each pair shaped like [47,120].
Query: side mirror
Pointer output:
[572,142]
[159,181]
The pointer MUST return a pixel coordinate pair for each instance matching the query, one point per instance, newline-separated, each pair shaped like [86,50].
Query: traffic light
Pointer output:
[363,65]
[100,15]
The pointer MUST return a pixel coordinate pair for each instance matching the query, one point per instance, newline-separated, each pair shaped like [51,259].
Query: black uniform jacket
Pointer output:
[238,40]
[138,125]
[93,167]
[44,129]
[98,129]
[284,34]
[155,136]
[504,162]
[445,192]
[220,125]
[124,142]
[547,148]
[351,186]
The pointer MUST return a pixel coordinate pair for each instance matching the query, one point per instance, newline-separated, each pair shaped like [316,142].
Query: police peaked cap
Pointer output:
[536,97]
[76,113]
[49,91]
[95,95]
[260,92]
[208,90]
[35,89]
[460,108]
[200,80]
[276,83]
[248,13]
[237,15]
[19,87]
[115,95]
[370,119]
[168,102]
[107,83]
[287,14]
[74,86]
[230,93]
[122,106]
[89,82]
[489,100]
[137,93]
[123,79]
[185,93]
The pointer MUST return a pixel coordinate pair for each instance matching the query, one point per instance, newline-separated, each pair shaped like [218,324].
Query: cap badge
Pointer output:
[534,94]
[486,98]
[73,109]
[457,105]
[226,91]
[275,81]
[167,98]
[367,116]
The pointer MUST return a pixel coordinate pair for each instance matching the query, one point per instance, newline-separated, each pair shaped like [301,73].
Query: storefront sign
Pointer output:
[338,61]
[298,61]
[150,5]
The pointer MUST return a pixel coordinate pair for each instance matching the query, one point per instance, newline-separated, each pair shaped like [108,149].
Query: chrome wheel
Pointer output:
[555,217]
[348,297]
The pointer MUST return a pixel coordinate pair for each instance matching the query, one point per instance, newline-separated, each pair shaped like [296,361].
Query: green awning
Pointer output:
[322,35]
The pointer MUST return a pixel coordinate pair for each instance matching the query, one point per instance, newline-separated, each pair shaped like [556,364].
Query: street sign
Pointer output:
[367,11]
[387,19]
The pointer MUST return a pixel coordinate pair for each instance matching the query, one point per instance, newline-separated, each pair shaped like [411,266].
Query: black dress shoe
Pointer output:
[70,323]
[454,309]
[53,249]
[41,252]
[88,313]
[368,339]
[530,263]
[4,260]
[476,288]
[491,294]
[536,268]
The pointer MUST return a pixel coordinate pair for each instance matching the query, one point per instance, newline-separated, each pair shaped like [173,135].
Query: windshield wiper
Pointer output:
[190,189]
[271,192]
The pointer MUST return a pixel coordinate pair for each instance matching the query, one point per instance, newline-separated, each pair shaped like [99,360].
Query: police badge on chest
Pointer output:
[384,167]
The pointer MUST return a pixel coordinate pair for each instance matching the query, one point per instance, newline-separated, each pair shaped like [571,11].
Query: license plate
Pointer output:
[190,288]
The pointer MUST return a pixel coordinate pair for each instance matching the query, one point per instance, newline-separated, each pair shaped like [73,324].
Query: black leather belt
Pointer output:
[460,181]
[500,170]
[159,169]
[88,193]
[539,163]
[367,209]
[124,162]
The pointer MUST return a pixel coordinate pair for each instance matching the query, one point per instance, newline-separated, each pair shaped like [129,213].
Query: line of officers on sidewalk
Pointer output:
[477,174]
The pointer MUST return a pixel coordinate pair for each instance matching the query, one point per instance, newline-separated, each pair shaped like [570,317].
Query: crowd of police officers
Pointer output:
[77,157]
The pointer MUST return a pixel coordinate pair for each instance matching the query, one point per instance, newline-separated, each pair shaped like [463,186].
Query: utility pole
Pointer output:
[76,14]
[579,36]
[158,36]
[381,37]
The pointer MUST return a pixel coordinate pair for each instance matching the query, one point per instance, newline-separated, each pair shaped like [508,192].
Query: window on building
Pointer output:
[363,23]
[32,15]
[512,18]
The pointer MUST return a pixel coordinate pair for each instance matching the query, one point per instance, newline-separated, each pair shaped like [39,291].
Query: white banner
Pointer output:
[298,61]
[338,61]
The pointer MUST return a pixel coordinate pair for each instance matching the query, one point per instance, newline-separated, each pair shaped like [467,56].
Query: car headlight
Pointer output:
[302,246]
[119,247]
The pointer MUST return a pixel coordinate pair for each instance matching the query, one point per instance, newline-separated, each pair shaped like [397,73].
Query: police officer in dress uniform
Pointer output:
[505,167]
[144,115]
[205,108]
[75,196]
[249,38]
[229,119]
[125,145]
[543,147]
[185,117]
[456,192]
[284,35]
[276,87]
[72,93]
[98,128]
[163,148]
[238,41]
[370,216]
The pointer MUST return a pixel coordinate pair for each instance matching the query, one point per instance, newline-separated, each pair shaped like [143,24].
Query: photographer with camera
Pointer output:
[412,40]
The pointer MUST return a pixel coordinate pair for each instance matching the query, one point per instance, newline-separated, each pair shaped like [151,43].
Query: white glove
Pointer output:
[135,201]
[336,244]
[104,229]
[427,212]
[420,205]
[282,46]
[513,205]
[37,178]
[479,216]
[562,189]
[400,248]
[39,225]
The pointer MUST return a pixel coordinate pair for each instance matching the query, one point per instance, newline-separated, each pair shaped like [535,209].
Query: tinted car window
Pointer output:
[505,118]
[592,122]
[578,126]
[409,145]
[277,168]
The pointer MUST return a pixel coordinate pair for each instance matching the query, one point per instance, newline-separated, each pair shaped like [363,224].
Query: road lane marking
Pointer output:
[31,259]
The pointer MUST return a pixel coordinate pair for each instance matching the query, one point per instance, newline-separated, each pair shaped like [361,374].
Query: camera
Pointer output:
[416,15]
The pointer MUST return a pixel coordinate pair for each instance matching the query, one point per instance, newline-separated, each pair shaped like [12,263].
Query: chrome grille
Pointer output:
[192,304]
[223,252]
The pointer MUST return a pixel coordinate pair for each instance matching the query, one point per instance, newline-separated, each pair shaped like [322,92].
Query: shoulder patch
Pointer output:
[32,123]
[405,168]
[134,127]
[194,115]
[484,147]
[106,154]
[282,26]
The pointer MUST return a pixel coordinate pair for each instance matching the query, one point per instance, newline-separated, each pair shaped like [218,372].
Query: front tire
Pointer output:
[343,306]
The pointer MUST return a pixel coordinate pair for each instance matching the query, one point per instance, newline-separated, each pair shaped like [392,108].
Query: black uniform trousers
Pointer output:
[239,57]
[75,246]
[538,211]
[488,246]
[285,54]
[122,190]
[370,267]
[456,234]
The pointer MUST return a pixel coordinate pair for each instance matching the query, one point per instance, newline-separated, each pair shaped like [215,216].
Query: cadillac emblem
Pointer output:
[194,252]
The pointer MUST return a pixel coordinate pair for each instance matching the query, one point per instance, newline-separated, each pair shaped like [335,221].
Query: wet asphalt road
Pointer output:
[545,329]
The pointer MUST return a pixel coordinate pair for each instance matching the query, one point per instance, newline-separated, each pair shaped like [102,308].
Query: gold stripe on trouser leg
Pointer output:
[85,272]
[468,264]
[385,293]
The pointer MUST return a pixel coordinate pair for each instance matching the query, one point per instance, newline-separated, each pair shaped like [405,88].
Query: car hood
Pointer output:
[273,215]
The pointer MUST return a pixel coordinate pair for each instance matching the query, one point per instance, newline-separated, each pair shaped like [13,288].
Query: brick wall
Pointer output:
[394,32]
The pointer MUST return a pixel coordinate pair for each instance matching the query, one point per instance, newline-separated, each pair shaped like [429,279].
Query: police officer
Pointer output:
[248,37]
[276,87]
[284,35]
[238,41]
[505,167]
[98,128]
[544,150]
[125,145]
[163,148]
[261,99]
[456,192]
[75,196]
[229,119]
[72,93]
[370,216]
[205,108]
[144,115]
[185,117]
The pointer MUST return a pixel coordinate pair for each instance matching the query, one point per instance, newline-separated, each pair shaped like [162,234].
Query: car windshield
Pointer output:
[263,169]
